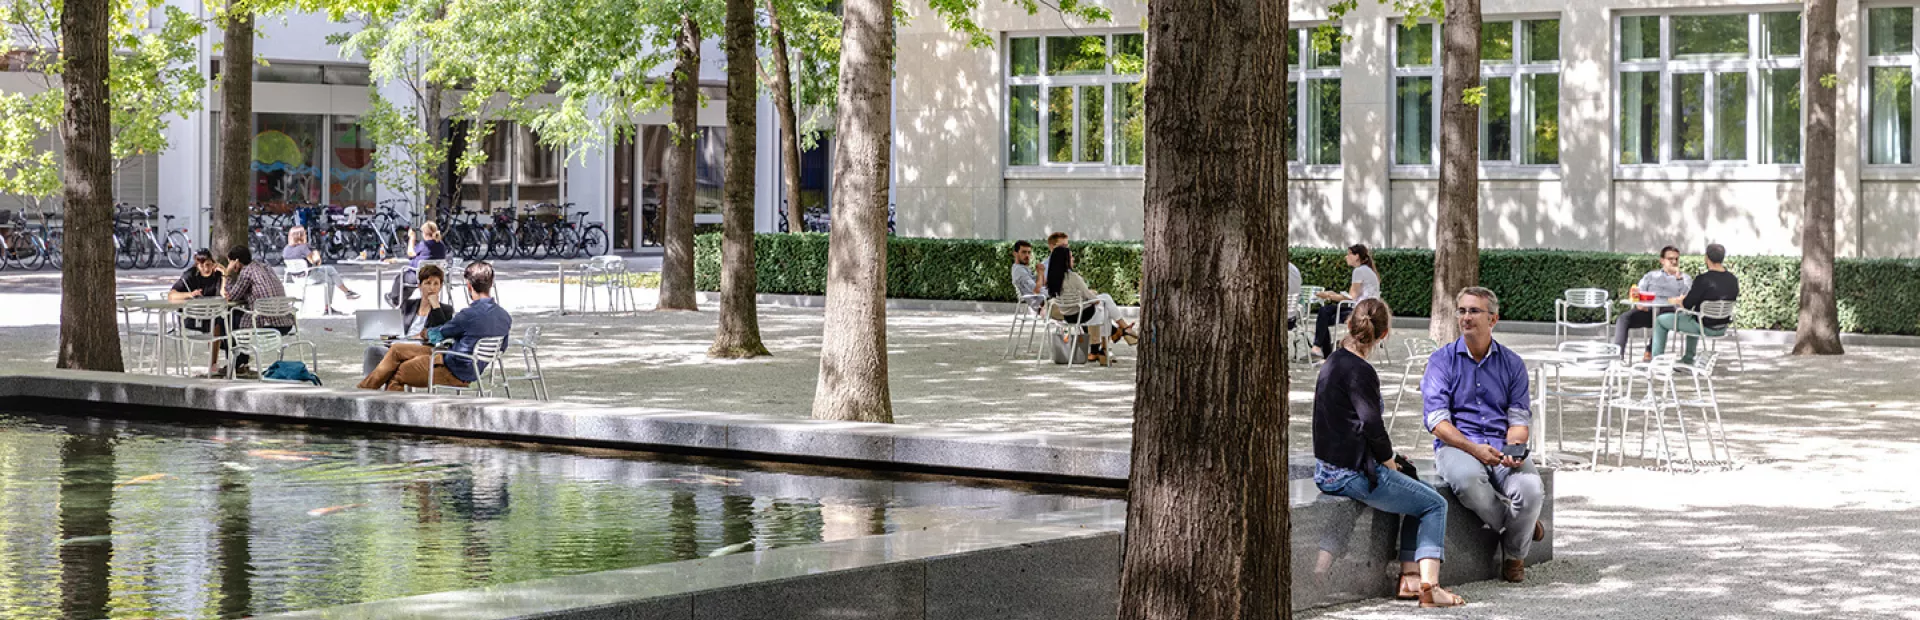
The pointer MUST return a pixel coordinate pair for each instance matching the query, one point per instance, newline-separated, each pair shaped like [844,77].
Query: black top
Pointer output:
[435,318]
[191,280]
[1712,286]
[1347,430]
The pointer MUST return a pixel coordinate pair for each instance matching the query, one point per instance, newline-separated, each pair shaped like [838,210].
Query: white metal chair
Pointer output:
[1716,311]
[214,313]
[1300,338]
[1704,398]
[134,339]
[298,272]
[485,358]
[1575,299]
[528,346]
[258,343]
[268,307]
[1596,359]
[608,273]
[1647,388]
[1419,350]
[1072,332]
[1026,320]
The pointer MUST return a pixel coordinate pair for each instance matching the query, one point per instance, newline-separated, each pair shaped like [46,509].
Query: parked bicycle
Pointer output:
[134,246]
[20,247]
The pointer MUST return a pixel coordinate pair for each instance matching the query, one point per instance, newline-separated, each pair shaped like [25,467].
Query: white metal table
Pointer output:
[1539,362]
[379,277]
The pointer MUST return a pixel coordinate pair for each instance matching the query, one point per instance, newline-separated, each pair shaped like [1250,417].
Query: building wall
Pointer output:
[952,172]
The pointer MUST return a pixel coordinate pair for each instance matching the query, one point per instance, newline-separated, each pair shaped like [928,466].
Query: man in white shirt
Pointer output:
[1664,283]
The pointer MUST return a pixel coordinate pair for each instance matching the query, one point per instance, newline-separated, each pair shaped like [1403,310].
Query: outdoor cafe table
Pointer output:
[379,277]
[561,277]
[1539,362]
[167,314]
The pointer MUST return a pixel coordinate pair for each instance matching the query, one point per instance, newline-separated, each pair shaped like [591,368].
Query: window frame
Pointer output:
[1297,77]
[1869,62]
[1754,65]
[1107,79]
[1512,68]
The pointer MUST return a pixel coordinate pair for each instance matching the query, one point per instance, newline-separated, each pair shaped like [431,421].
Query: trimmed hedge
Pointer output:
[1877,296]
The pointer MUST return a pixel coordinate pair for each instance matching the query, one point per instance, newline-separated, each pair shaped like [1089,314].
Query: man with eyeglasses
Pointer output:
[1476,401]
[1667,282]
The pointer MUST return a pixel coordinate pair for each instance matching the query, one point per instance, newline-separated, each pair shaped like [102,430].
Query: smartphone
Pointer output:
[1516,451]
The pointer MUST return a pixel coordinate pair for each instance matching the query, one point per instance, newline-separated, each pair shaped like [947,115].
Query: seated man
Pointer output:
[247,281]
[1717,284]
[1663,283]
[409,364]
[1024,280]
[327,277]
[1475,396]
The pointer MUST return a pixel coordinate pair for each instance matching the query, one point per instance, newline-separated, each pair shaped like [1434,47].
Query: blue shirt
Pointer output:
[1481,398]
[483,319]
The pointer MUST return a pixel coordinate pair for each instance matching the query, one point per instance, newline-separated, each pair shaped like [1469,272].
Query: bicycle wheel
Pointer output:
[533,243]
[27,249]
[502,245]
[594,242]
[122,253]
[340,245]
[177,249]
[56,242]
[144,251]
[367,243]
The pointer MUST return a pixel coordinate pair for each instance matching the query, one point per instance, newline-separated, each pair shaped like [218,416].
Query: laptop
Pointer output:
[379,324]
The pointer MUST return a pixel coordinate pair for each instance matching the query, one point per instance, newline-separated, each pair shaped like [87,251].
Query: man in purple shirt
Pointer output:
[1476,402]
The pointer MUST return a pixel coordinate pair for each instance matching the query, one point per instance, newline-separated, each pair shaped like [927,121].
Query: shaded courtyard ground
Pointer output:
[1816,523]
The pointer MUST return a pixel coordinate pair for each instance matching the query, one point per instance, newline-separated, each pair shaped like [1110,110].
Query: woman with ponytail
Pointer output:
[1069,290]
[1355,459]
[1364,285]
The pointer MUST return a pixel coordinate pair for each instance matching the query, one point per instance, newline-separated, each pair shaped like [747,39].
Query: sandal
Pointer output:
[1406,593]
[1430,596]
[1132,336]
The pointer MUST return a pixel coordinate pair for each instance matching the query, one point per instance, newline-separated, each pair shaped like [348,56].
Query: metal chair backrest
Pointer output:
[1586,297]
[1704,361]
[487,350]
[1717,309]
[297,267]
[123,298]
[257,340]
[274,306]
[1597,349]
[607,263]
[1420,348]
[531,338]
[204,310]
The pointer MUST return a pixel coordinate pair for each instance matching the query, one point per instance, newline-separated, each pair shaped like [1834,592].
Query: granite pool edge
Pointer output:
[1091,461]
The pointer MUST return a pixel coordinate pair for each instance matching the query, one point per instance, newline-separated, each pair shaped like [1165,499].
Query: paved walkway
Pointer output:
[1818,524]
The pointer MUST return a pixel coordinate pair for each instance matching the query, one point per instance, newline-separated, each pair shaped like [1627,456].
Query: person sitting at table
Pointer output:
[247,281]
[1477,403]
[1054,240]
[1070,291]
[410,365]
[324,275]
[1024,280]
[1354,458]
[418,314]
[1667,282]
[202,280]
[1717,284]
[421,248]
[1364,285]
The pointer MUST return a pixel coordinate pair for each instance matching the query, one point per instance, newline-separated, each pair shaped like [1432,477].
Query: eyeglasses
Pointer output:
[1471,311]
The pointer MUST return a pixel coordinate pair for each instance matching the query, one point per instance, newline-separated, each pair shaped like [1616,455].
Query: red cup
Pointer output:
[1646,297]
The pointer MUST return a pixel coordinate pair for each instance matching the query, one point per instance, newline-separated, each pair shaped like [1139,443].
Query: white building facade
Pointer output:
[1618,125]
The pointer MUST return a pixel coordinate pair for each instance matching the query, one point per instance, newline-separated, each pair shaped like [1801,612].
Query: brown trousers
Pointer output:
[407,364]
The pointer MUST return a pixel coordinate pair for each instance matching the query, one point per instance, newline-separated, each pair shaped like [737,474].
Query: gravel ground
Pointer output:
[1816,523]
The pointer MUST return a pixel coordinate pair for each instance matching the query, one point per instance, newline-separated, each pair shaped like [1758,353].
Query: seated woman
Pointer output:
[324,275]
[425,247]
[1069,290]
[1364,285]
[420,314]
[1356,458]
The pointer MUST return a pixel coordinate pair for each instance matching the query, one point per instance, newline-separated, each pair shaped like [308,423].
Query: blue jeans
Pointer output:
[1423,530]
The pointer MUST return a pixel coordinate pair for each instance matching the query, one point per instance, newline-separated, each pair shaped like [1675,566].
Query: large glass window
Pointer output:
[1076,100]
[1694,95]
[1520,114]
[1313,135]
[286,166]
[350,179]
[518,171]
[1890,66]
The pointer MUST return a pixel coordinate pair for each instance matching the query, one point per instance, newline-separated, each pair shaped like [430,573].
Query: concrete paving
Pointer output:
[1816,523]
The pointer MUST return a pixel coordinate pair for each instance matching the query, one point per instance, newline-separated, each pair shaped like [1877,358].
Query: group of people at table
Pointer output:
[407,361]
[1476,404]
[1071,300]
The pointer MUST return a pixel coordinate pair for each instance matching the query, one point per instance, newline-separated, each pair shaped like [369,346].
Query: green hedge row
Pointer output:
[1877,296]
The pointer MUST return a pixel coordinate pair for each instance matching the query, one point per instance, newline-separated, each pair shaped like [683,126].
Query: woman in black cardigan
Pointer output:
[419,314]
[1355,458]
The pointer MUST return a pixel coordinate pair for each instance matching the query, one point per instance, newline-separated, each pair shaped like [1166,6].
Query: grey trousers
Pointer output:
[1507,500]
[328,278]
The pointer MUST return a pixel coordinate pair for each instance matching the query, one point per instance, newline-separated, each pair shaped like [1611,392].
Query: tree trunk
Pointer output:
[85,498]
[853,348]
[89,339]
[1456,236]
[676,269]
[789,127]
[236,137]
[739,333]
[1207,519]
[1818,331]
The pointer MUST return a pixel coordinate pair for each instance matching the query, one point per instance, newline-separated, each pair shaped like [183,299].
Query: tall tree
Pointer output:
[853,348]
[1818,330]
[1207,518]
[803,37]
[235,178]
[89,340]
[676,269]
[739,331]
[789,128]
[1456,234]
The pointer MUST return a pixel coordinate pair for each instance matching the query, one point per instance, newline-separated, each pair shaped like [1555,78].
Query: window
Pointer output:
[1520,114]
[1890,66]
[1313,129]
[1076,100]
[1702,88]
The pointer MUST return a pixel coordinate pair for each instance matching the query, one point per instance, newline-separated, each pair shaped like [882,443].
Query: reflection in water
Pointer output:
[104,518]
[86,525]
